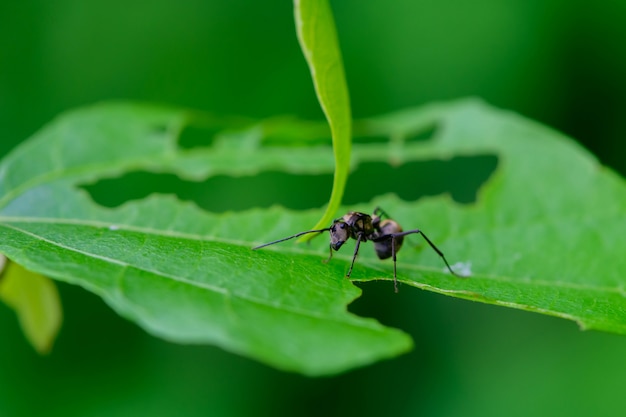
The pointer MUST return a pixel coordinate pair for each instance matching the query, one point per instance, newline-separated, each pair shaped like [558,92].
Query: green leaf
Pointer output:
[543,235]
[182,274]
[318,39]
[36,301]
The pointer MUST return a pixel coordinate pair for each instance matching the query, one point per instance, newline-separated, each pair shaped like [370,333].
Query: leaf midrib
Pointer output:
[370,263]
[306,313]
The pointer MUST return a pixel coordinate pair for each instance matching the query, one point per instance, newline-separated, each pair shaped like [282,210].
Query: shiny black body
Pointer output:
[386,234]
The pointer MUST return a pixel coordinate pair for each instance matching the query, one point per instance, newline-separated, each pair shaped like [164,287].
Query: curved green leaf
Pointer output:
[318,39]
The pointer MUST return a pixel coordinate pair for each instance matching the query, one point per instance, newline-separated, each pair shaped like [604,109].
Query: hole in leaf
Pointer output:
[197,137]
[422,135]
[289,133]
[459,176]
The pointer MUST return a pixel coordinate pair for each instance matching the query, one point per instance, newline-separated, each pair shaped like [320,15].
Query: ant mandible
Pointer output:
[386,234]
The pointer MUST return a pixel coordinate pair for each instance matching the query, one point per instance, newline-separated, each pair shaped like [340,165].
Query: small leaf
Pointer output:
[36,301]
[318,39]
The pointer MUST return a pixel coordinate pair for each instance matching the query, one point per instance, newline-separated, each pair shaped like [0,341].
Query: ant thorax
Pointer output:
[359,223]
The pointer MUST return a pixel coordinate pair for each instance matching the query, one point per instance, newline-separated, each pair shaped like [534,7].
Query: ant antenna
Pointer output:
[380,212]
[291,237]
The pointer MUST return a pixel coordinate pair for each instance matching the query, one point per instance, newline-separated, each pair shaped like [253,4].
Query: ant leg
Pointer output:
[432,245]
[330,255]
[386,238]
[356,252]
[393,254]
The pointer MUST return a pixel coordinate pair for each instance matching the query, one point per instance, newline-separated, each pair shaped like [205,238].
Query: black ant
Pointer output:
[386,234]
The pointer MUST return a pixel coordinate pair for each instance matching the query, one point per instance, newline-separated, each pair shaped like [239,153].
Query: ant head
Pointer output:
[339,234]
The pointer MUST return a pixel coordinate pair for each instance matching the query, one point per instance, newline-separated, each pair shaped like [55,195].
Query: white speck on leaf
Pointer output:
[463,269]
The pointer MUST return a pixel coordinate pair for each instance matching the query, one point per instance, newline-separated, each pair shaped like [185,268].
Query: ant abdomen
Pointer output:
[384,248]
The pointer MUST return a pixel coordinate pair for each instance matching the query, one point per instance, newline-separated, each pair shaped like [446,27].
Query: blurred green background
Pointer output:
[561,63]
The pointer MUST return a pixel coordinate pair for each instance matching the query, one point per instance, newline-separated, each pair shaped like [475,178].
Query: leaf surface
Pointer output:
[182,274]
[544,234]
